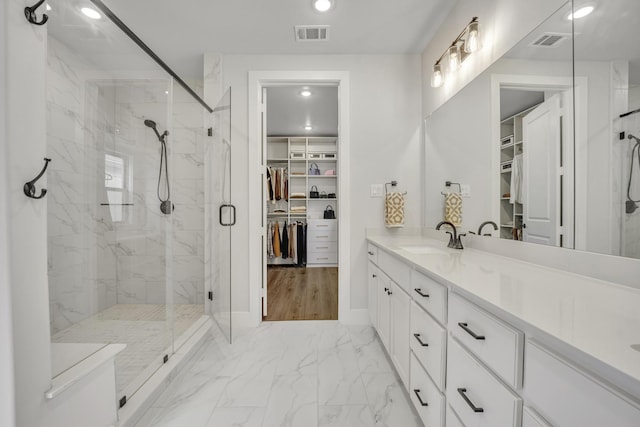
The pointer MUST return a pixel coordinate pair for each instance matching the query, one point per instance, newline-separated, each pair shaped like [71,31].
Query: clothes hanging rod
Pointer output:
[630,113]
[114,18]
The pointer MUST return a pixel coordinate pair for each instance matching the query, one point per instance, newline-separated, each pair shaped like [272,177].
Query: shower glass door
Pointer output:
[221,216]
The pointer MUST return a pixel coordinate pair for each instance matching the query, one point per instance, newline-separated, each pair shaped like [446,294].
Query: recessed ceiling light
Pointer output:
[305,92]
[322,5]
[581,13]
[308,127]
[91,13]
[166,92]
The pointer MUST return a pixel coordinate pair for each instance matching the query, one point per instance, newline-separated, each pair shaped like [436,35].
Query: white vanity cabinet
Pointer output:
[567,396]
[372,293]
[465,357]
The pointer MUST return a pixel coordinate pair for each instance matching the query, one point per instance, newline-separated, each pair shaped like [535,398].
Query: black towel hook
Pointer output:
[30,14]
[30,187]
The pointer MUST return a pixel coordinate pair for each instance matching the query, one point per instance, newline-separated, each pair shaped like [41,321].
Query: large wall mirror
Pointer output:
[539,139]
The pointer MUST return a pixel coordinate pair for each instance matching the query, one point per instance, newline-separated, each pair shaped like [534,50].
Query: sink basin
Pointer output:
[423,250]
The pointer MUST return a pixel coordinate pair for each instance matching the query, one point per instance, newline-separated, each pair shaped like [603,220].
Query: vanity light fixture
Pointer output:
[580,13]
[436,77]
[322,5]
[467,42]
[90,13]
[305,92]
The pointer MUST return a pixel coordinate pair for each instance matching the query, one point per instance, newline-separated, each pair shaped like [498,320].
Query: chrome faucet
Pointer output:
[495,227]
[454,239]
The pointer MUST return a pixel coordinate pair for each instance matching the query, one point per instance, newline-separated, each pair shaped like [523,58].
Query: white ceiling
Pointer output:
[288,111]
[180,32]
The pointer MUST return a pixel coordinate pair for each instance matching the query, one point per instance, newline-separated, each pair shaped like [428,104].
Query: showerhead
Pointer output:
[152,125]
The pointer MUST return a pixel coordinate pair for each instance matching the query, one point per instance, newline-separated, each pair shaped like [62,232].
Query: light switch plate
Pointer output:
[465,190]
[377,190]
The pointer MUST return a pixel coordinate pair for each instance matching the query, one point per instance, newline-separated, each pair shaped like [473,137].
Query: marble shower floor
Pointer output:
[142,327]
[293,374]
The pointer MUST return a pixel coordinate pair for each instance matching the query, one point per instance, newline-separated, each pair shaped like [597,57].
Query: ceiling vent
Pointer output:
[550,40]
[311,33]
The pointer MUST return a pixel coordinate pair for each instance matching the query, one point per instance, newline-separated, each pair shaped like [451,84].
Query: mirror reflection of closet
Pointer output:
[301,147]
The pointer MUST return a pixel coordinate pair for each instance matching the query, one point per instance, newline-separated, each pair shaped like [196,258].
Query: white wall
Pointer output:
[385,145]
[7,412]
[26,147]
[502,22]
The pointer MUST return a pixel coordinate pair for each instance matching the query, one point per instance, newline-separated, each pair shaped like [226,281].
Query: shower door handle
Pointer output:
[233,211]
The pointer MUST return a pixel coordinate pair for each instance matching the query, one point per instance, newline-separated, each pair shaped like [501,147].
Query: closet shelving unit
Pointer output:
[297,154]
[511,144]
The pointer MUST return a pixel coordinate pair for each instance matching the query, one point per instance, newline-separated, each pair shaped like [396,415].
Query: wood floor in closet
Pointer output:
[302,293]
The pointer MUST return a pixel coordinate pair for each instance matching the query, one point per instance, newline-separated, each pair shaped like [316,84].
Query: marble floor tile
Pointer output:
[389,403]
[293,402]
[339,377]
[287,374]
[236,417]
[345,416]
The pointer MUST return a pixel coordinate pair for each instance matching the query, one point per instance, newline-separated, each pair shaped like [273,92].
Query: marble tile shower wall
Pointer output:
[75,237]
[95,262]
[187,150]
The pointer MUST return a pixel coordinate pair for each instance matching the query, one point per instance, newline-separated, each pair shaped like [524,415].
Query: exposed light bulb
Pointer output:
[472,43]
[322,5]
[580,13]
[437,78]
[305,93]
[454,58]
[91,13]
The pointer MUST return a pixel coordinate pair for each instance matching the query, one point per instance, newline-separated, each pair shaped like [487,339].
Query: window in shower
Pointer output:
[117,185]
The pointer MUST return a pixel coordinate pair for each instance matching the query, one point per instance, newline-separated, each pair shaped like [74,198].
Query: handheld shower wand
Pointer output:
[166,207]
[631,205]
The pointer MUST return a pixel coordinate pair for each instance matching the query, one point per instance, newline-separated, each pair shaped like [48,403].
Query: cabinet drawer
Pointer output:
[531,419]
[478,397]
[566,396]
[372,253]
[431,295]
[322,246]
[322,224]
[398,271]
[494,342]
[452,418]
[322,258]
[425,330]
[322,235]
[420,385]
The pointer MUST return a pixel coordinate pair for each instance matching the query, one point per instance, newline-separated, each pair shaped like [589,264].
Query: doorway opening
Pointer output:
[300,144]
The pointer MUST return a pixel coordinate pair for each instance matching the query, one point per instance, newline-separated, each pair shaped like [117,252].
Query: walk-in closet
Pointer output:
[301,203]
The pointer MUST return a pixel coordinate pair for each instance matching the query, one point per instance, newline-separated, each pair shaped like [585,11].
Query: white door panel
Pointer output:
[541,176]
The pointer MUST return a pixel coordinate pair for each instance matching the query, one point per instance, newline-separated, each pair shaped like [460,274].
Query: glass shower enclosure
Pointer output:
[126,200]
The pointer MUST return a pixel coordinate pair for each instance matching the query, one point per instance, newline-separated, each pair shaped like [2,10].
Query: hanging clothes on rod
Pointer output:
[287,241]
[277,184]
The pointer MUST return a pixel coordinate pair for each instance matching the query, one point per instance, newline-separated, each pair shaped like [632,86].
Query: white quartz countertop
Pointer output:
[600,319]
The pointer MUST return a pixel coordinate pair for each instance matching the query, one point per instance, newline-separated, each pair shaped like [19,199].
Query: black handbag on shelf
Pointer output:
[314,193]
[332,195]
[329,213]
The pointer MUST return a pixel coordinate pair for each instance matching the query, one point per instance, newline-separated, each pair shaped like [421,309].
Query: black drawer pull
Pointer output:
[386,289]
[419,291]
[370,253]
[470,332]
[389,292]
[417,392]
[424,344]
[462,392]
[374,275]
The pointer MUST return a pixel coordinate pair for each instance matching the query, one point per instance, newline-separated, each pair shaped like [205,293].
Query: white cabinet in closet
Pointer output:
[511,148]
[322,242]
